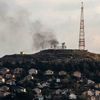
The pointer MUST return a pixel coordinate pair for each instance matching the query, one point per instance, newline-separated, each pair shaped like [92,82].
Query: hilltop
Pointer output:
[51,74]
[54,54]
[56,59]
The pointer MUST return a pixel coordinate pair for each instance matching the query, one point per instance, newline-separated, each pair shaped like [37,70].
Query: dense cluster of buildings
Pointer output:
[47,85]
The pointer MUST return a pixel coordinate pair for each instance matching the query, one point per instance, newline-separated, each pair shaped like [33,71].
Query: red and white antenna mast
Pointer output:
[82,33]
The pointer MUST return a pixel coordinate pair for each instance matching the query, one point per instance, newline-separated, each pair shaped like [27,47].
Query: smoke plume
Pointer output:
[43,38]
[18,31]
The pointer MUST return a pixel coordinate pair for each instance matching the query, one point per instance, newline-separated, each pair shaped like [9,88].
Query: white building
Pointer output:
[33,71]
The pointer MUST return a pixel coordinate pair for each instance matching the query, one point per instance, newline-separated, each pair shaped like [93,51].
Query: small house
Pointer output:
[77,74]
[37,90]
[33,71]
[11,82]
[29,77]
[4,71]
[62,73]
[49,72]
[72,96]
[18,71]
[2,80]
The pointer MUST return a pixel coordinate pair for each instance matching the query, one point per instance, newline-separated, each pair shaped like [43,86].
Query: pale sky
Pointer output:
[61,16]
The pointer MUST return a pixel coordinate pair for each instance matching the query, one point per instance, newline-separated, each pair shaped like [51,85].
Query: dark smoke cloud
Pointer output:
[18,32]
[43,38]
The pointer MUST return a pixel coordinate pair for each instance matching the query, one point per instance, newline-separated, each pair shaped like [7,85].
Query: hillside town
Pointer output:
[17,84]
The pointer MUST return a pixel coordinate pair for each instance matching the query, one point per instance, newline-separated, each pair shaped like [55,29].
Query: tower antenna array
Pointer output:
[82,33]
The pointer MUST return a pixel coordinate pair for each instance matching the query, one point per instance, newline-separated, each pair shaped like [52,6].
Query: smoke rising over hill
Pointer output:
[17,17]
[43,38]
[18,32]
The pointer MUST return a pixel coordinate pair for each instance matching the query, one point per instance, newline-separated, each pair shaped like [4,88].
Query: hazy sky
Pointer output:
[60,16]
